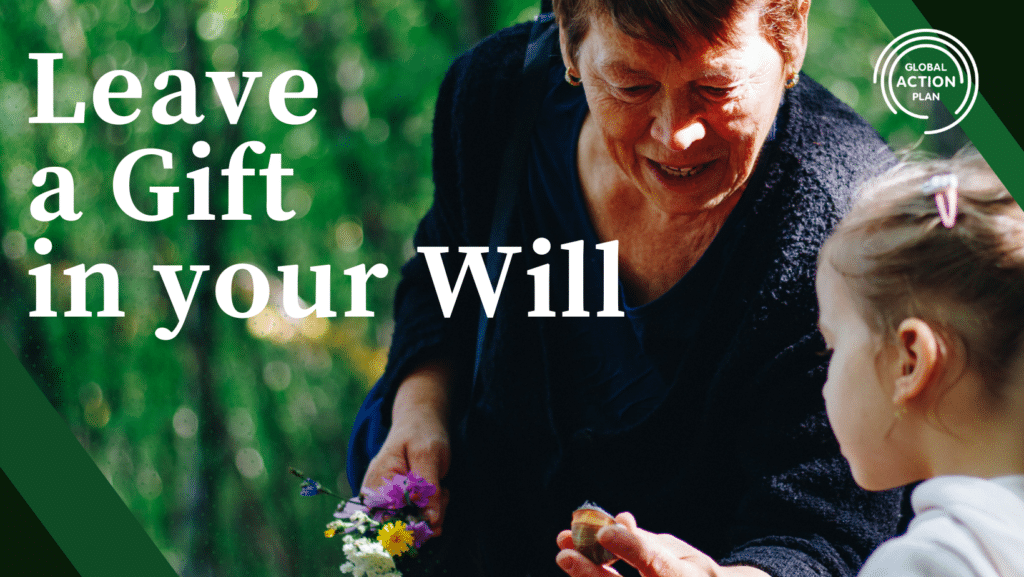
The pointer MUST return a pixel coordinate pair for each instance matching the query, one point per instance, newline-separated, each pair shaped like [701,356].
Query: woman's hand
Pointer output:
[418,440]
[652,555]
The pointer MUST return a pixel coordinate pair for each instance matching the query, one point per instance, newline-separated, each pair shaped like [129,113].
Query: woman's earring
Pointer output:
[572,80]
[792,80]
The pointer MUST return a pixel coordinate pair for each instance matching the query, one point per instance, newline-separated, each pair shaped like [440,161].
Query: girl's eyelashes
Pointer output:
[826,353]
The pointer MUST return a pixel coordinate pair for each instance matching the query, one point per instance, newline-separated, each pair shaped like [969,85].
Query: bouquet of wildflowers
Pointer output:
[383,530]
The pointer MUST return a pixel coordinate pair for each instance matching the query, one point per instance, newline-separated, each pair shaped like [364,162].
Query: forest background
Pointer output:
[196,434]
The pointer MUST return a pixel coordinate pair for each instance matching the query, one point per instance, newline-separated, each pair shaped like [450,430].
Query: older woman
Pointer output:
[682,130]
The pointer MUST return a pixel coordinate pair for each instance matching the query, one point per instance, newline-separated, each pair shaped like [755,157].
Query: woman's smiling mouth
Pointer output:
[673,172]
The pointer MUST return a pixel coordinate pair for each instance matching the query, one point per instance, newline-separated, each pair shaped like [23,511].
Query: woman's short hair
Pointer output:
[670,23]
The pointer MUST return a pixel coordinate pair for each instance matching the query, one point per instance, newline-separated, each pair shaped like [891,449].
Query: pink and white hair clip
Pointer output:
[944,187]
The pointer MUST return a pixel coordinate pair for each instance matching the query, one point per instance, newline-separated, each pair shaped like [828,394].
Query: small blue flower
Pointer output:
[310,488]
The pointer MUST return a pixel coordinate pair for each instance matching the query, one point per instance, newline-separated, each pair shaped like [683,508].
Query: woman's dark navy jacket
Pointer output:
[738,460]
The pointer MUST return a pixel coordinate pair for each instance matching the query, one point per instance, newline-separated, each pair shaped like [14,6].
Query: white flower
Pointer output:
[367,558]
[359,517]
[359,521]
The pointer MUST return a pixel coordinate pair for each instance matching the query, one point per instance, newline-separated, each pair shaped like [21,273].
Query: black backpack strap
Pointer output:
[543,36]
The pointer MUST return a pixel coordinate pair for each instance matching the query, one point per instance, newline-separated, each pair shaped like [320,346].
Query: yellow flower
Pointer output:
[332,528]
[395,538]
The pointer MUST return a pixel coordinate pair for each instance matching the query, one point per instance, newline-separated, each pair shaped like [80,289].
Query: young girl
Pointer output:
[921,290]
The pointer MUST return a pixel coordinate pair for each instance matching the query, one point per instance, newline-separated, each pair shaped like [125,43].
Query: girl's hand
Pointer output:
[652,555]
[418,440]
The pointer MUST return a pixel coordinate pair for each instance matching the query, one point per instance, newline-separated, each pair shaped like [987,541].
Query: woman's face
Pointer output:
[685,131]
[859,390]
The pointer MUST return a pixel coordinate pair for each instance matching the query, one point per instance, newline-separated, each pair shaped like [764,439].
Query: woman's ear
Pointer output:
[917,358]
[563,41]
[800,47]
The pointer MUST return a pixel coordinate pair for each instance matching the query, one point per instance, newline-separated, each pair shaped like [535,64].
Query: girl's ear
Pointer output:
[918,359]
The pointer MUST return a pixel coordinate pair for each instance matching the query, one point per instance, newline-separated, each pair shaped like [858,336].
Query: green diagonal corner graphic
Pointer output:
[65,488]
[986,131]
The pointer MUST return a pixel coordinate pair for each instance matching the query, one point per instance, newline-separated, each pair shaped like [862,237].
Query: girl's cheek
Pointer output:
[827,393]
[828,390]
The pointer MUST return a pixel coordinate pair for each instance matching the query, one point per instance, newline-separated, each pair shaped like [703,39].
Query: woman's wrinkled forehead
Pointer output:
[612,51]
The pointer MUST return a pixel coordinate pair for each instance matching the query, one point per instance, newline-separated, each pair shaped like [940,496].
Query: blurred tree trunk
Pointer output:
[213,463]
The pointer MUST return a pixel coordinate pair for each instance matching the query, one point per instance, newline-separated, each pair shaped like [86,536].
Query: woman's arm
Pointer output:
[651,554]
[403,423]
[467,109]
[418,440]
[797,512]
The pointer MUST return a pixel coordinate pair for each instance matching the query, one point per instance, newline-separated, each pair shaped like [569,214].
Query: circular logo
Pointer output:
[924,66]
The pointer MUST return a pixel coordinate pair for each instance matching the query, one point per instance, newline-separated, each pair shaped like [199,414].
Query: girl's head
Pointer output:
[914,305]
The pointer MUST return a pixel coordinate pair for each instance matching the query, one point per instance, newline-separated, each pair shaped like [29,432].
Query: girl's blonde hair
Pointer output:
[966,280]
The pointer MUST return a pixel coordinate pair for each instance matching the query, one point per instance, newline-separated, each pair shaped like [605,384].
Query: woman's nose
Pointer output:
[686,135]
[677,127]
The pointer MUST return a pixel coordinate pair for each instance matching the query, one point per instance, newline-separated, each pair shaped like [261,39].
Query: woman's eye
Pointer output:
[634,91]
[716,91]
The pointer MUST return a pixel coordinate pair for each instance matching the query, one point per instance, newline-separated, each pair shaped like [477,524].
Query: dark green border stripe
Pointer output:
[27,544]
[62,484]
[93,526]
[981,125]
[989,34]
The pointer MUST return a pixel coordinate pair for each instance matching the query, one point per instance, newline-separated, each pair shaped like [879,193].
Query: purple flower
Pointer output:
[378,505]
[373,499]
[396,497]
[421,531]
[394,488]
[420,490]
[310,488]
[351,506]
[381,515]
[397,493]
[390,496]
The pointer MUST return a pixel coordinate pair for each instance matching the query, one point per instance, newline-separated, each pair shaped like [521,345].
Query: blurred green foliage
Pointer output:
[196,433]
